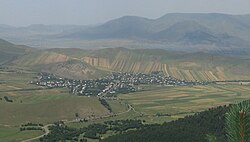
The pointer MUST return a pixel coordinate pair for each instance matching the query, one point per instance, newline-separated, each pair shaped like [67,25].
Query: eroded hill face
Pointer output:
[57,63]
[74,69]
[198,66]
[121,64]
[136,63]
[89,64]
[40,58]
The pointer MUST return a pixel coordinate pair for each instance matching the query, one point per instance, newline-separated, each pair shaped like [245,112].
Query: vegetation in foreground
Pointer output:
[191,128]
[222,124]
[237,123]
[61,132]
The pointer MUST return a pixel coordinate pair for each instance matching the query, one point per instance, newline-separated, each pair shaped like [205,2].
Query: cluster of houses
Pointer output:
[156,77]
[111,85]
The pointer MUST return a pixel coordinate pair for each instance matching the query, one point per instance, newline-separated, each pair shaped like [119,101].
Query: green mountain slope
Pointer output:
[9,51]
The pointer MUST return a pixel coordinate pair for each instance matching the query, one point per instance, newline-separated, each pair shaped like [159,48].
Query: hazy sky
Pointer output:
[85,12]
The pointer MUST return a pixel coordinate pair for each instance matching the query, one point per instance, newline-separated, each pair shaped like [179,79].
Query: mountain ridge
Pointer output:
[181,30]
[217,33]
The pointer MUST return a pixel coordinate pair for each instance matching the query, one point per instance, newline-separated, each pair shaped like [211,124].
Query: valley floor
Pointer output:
[155,104]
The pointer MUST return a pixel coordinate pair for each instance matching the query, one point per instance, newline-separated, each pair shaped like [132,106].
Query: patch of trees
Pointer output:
[83,140]
[193,128]
[60,132]
[94,131]
[31,124]
[124,125]
[30,128]
[162,114]
[105,104]
[7,99]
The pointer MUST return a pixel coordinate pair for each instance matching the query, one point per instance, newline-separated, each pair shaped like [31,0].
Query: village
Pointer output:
[110,86]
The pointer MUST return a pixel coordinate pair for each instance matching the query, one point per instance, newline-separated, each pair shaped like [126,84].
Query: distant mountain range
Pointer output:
[219,30]
[192,32]
[131,26]
[40,29]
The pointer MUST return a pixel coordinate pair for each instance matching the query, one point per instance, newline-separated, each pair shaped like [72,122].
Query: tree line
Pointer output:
[61,132]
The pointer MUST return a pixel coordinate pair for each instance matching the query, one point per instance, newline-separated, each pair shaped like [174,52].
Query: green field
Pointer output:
[41,105]
[38,105]
[14,135]
[175,100]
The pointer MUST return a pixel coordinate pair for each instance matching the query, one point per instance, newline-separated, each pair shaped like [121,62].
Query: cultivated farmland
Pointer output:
[178,100]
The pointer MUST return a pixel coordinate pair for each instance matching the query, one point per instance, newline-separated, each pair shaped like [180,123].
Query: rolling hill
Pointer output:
[190,66]
[88,64]
[48,61]
[125,27]
[9,51]
[59,64]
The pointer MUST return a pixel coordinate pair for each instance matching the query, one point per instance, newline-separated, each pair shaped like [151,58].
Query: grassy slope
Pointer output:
[47,109]
[38,106]
[44,106]
[10,51]
[14,135]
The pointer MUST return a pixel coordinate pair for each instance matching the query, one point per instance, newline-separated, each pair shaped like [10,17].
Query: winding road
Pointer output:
[45,128]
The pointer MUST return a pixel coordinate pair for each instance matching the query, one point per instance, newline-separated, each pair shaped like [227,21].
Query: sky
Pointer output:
[90,12]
